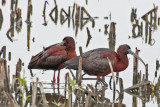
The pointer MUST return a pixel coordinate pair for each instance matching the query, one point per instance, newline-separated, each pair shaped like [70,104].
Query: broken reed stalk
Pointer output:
[55,2]
[29,13]
[7,77]
[11,99]
[73,10]
[114,82]
[2,74]
[121,84]
[3,51]
[158,21]
[137,86]
[3,2]
[9,37]
[12,3]
[79,78]
[31,72]
[65,87]
[150,36]
[44,13]
[121,92]
[43,95]
[74,78]
[34,93]
[12,22]
[70,93]
[146,69]
[80,67]
[135,68]
[77,19]
[9,56]
[86,2]
[1,18]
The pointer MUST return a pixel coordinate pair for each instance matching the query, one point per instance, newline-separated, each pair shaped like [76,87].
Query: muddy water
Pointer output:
[43,31]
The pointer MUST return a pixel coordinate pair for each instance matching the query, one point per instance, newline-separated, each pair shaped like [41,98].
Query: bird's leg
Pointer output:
[54,79]
[58,79]
[99,80]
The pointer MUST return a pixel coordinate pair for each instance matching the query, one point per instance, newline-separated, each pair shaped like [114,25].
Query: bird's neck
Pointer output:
[122,64]
[71,54]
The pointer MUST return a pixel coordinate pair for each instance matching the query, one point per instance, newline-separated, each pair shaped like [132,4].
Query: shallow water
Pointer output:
[45,35]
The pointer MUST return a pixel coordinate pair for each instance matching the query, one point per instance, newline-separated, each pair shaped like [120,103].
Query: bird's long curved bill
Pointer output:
[132,53]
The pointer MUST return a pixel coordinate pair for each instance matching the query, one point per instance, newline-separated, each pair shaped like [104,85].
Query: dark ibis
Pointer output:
[54,56]
[95,62]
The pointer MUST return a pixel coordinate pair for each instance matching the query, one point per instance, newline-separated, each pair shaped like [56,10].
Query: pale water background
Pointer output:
[47,35]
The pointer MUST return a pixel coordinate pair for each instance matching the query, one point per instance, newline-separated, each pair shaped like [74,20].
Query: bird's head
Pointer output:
[125,49]
[69,43]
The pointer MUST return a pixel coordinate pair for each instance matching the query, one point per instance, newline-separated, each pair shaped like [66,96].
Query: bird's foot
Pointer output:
[101,82]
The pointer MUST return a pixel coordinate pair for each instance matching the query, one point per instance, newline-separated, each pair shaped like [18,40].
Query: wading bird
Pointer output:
[54,56]
[95,62]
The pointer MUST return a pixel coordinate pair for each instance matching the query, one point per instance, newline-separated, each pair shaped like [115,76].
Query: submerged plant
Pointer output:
[74,87]
[23,84]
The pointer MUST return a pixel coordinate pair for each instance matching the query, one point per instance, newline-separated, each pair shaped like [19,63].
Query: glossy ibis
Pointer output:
[54,56]
[95,62]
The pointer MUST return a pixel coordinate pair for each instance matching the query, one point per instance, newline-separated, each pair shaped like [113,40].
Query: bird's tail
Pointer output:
[34,60]
[72,63]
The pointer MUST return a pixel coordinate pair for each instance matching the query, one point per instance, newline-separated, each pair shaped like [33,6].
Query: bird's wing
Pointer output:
[96,61]
[93,61]
[52,56]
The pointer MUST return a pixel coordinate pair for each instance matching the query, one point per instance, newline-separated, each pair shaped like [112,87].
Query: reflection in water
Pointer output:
[83,10]
[77,18]
[3,51]
[157,67]
[1,19]
[89,37]
[44,13]
[106,26]
[133,15]
[8,36]
[18,20]
[157,92]
[77,15]
[29,13]
[3,2]
[150,25]
[9,56]
[112,36]
[55,19]
[64,18]
[140,29]
[12,15]
[15,16]
[157,64]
